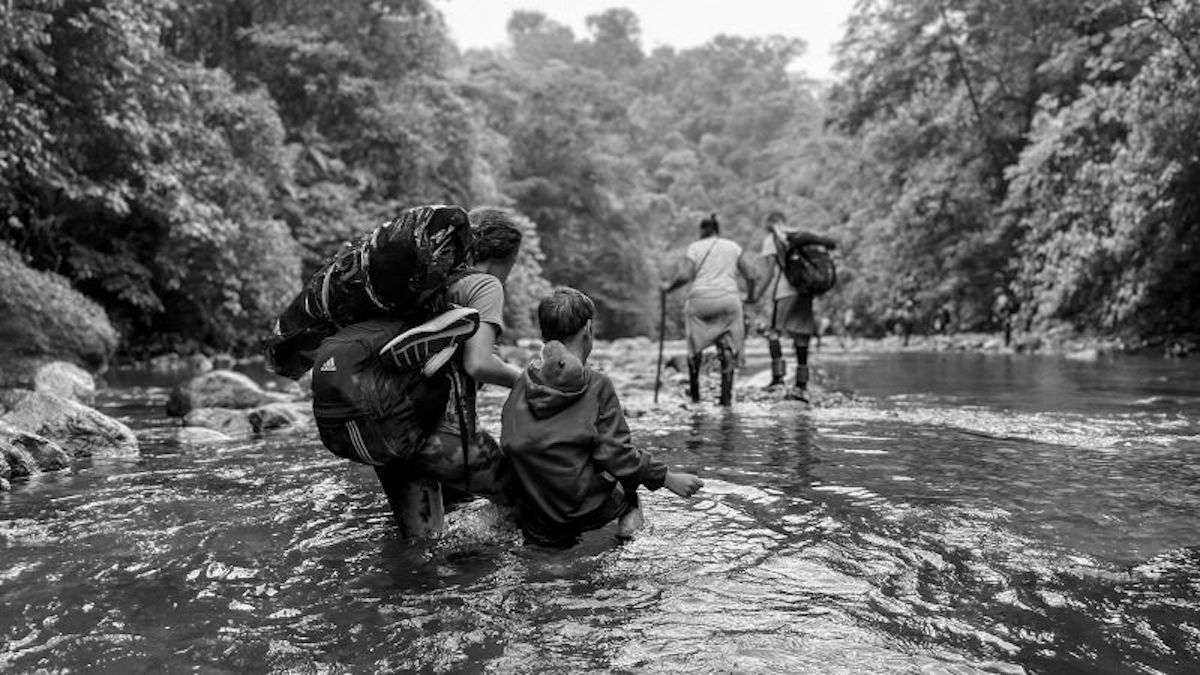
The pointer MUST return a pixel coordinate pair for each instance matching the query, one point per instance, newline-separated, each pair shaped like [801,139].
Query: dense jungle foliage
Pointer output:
[186,164]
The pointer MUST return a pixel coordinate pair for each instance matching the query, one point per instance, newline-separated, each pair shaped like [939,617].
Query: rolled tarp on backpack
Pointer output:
[806,263]
[400,269]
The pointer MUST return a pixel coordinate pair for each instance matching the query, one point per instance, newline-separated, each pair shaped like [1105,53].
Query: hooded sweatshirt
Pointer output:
[563,429]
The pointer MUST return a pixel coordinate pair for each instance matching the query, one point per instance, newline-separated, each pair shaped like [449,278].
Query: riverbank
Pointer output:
[1049,342]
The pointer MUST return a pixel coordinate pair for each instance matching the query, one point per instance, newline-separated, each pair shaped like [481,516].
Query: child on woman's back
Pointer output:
[574,465]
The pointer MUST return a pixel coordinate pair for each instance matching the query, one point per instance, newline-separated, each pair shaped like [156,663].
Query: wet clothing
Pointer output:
[714,305]
[574,465]
[487,472]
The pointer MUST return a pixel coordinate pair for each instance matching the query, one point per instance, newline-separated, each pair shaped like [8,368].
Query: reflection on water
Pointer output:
[942,527]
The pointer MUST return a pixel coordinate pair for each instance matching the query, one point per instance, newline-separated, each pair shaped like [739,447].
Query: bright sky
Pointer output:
[678,23]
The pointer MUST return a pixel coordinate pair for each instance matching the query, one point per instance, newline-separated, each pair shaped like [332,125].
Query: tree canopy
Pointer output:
[187,164]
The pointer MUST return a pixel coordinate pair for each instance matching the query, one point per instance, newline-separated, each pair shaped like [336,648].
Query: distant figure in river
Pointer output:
[714,304]
[849,326]
[1003,309]
[906,318]
[562,427]
[792,311]
[942,319]
[824,325]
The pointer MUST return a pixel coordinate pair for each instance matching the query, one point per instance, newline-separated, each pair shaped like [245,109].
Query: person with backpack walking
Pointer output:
[790,257]
[401,398]
[459,438]
[714,306]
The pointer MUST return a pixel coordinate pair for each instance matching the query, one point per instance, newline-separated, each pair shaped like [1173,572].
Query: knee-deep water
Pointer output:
[964,513]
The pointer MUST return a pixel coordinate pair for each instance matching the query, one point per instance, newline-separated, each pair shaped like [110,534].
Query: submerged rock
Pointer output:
[80,430]
[198,436]
[228,421]
[25,453]
[218,389]
[275,416]
[244,422]
[479,523]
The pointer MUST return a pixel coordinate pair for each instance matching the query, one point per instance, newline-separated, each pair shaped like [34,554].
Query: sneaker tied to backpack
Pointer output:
[438,360]
[430,345]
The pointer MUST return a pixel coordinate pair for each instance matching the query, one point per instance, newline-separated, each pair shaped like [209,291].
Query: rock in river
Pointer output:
[80,430]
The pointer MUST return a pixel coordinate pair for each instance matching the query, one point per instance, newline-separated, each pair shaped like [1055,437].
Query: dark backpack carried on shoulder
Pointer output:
[806,265]
[369,408]
[400,269]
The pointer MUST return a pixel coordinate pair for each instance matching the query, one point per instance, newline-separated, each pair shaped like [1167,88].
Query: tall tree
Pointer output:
[942,95]
[151,176]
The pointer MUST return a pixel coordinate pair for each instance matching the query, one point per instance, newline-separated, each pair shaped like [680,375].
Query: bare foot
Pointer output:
[629,523]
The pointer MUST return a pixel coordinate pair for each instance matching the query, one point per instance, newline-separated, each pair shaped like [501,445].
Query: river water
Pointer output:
[963,513]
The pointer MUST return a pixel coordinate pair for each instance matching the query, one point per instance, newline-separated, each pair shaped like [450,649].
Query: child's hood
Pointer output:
[555,381]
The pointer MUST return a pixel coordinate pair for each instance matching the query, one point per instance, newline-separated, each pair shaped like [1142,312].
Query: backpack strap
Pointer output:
[780,247]
[464,438]
[366,271]
[696,272]
[780,251]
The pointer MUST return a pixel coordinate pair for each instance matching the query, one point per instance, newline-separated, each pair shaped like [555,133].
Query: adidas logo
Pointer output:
[329,366]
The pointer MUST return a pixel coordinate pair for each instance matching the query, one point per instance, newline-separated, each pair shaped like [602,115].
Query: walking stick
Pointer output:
[662,333]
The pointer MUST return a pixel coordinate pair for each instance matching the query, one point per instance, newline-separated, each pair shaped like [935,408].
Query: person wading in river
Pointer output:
[488,472]
[714,305]
[575,466]
[791,311]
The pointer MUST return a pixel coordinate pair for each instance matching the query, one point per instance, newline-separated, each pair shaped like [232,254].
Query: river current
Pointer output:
[961,513]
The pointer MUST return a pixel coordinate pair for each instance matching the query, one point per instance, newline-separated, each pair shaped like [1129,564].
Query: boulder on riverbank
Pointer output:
[218,389]
[80,430]
[45,319]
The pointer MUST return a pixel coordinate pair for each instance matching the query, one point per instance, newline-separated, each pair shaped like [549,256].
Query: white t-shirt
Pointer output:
[783,287]
[715,262]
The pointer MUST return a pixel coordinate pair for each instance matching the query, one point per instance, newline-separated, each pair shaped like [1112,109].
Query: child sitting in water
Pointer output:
[574,465]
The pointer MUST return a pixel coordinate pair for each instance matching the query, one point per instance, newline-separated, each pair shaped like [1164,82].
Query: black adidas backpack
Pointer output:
[352,382]
[400,269]
[806,265]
